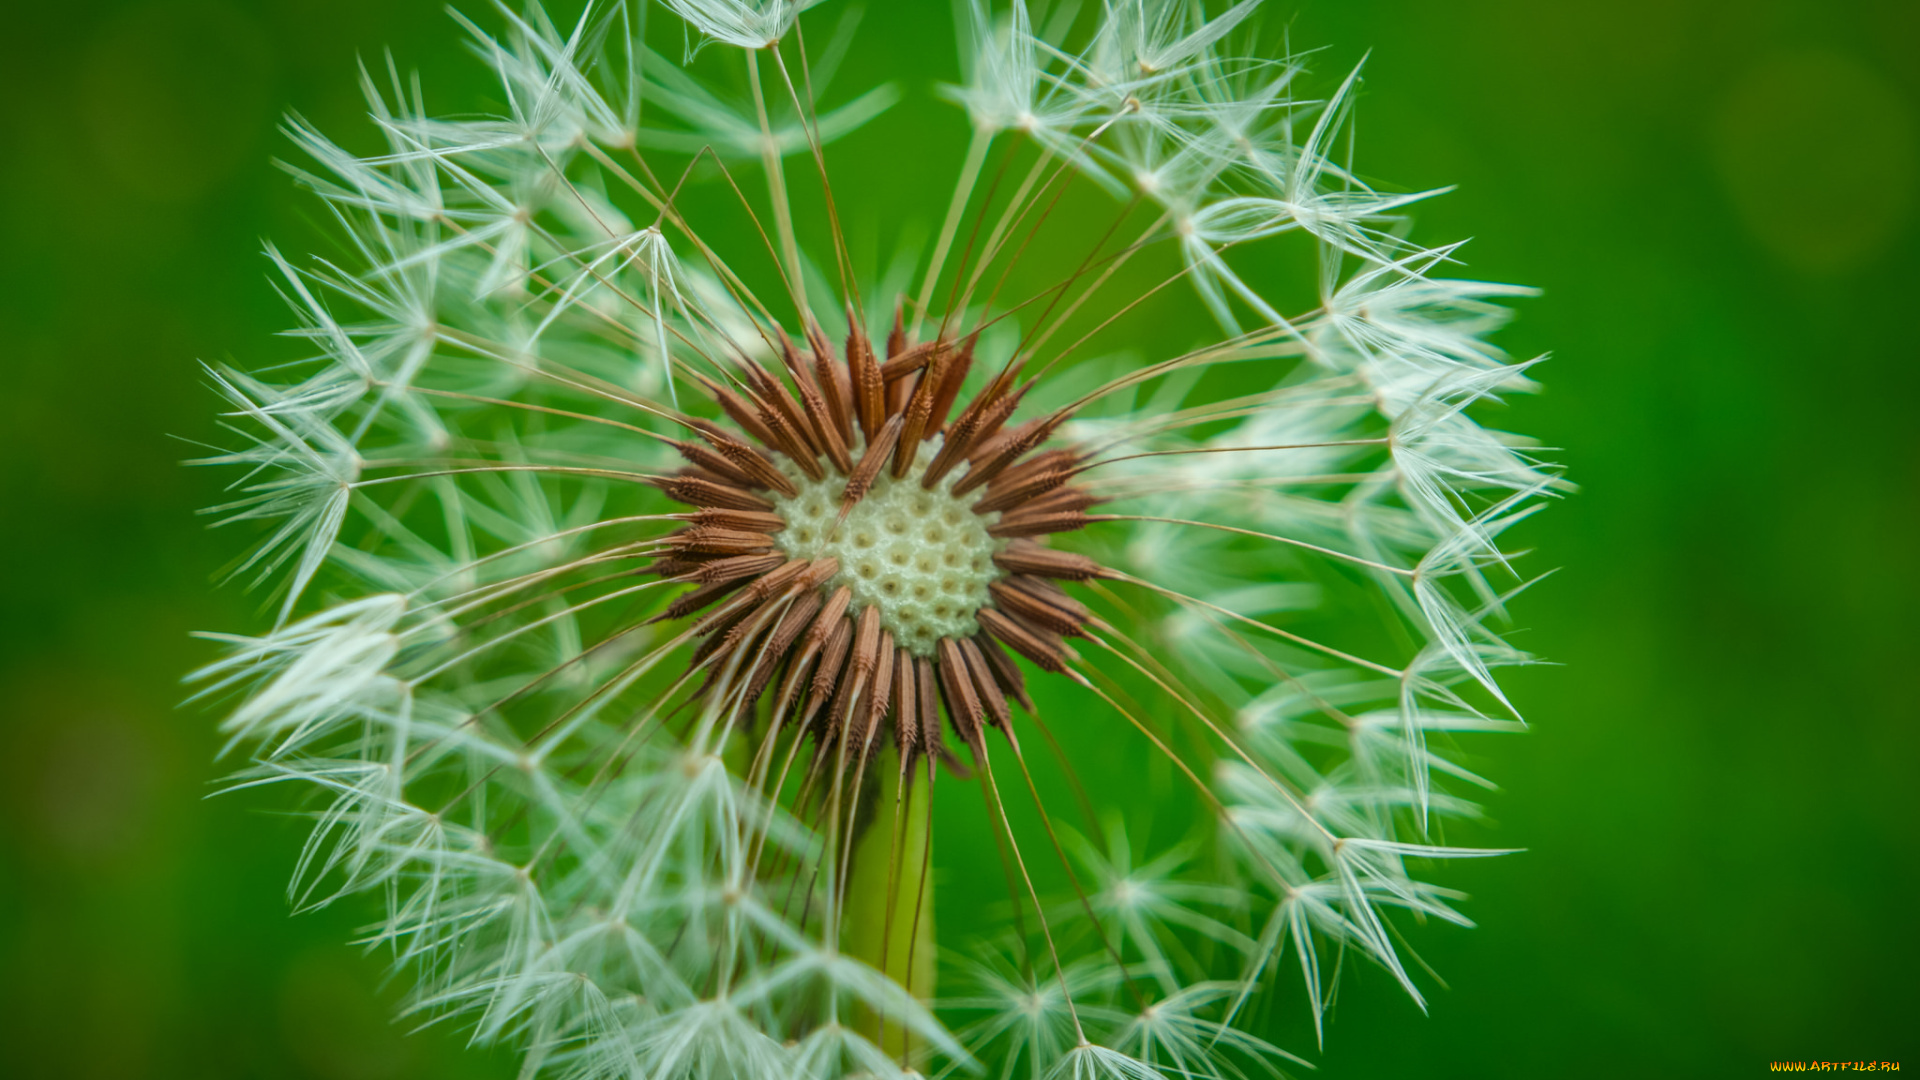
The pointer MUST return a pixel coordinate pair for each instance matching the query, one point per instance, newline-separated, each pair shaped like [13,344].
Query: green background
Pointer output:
[1721,792]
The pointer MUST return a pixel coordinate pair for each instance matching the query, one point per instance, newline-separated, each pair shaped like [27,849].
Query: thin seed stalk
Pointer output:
[889,908]
[776,183]
[962,192]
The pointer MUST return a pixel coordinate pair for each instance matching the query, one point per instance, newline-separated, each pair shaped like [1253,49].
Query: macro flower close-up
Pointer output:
[640,578]
[1000,538]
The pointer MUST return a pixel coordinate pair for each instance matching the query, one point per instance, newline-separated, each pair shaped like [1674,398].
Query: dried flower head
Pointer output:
[639,580]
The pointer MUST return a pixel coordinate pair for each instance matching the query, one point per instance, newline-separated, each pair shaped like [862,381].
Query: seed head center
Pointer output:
[923,557]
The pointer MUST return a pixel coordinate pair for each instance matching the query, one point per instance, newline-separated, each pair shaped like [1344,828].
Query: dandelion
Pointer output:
[642,569]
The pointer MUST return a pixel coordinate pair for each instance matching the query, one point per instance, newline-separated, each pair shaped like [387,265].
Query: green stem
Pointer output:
[889,913]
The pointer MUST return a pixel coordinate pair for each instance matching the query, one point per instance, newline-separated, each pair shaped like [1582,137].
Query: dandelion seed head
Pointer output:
[628,615]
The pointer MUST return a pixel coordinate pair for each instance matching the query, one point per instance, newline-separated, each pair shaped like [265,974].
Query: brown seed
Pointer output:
[714,465]
[986,447]
[720,629]
[835,719]
[1020,475]
[897,345]
[1047,591]
[758,585]
[873,704]
[897,337]
[993,418]
[1059,500]
[741,413]
[953,448]
[899,392]
[677,565]
[956,687]
[1006,673]
[695,472]
[819,572]
[951,380]
[1031,608]
[866,644]
[906,712]
[1026,557]
[832,377]
[869,389]
[708,429]
[964,433]
[746,461]
[796,572]
[992,698]
[1042,648]
[720,571]
[698,491]
[796,364]
[803,609]
[909,360]
[752,520]
[871,461]
[826,432]
[832,614]
[843,383]
[1025,438]
[799,675]
[918,413]
[1038,524]
[774,393]
[687,603]
[926,695]
[1011,491]
[705,539]
[1029,598]
[814,572]
[797,617]
[797,447]
[826,677]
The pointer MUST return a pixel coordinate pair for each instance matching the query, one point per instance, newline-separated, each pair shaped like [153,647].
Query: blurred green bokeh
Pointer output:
[1721,793]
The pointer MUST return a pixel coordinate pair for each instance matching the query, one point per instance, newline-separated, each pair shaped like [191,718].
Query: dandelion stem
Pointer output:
[891,928]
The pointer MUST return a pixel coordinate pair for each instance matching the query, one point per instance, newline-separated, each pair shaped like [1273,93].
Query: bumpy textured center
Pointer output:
[922,557]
